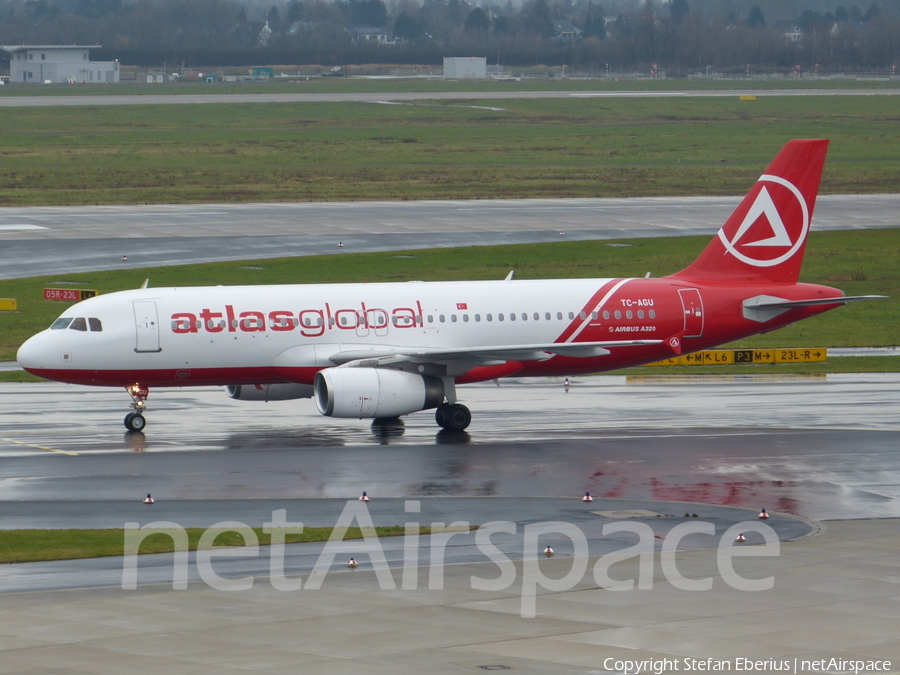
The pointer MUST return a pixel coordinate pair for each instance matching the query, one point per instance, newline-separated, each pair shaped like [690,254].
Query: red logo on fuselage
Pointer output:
[309,322]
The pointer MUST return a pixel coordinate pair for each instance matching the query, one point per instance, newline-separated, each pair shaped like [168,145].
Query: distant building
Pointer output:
[58,64]
[361,34]
[791,29]
[564,29]
[465,68]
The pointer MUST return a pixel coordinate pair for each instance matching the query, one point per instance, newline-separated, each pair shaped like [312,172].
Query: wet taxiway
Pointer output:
[820,447]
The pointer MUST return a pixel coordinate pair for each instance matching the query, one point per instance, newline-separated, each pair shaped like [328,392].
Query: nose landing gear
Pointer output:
[135,421]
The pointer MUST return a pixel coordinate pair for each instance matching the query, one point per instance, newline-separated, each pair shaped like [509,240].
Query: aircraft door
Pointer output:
[146,323]
[692,304]
[379,321]
[362,326]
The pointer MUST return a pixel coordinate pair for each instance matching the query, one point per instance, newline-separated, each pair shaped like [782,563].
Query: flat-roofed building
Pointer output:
[462,68]
[58,64]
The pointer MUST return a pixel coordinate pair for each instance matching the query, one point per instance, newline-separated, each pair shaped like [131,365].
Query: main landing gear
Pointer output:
[134,421]
[452,416]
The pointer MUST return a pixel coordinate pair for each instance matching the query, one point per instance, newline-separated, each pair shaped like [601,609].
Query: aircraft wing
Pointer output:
[491,354]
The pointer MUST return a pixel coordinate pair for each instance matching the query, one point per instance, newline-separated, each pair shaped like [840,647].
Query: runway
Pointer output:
[150,98]
[39,241]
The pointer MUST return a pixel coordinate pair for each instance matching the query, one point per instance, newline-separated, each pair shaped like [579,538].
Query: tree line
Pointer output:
[616,35]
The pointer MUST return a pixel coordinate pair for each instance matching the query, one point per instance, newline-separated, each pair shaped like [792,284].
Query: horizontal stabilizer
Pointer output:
[763,308]
[788,304]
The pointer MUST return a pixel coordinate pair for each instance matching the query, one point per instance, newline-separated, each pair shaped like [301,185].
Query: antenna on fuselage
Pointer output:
[647,276]
[145,284]
[509,277]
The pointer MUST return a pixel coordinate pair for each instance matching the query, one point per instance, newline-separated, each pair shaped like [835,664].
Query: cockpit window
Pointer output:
[79,324]
[95,325]
[61,323]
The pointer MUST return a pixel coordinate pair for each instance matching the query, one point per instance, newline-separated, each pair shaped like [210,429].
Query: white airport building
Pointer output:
[461,68]
[58,64]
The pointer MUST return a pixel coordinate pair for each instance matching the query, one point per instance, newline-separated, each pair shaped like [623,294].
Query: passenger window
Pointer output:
[582,316]
[640,314]
[453,318]
[490,317]
[618,314]
[61,323]
[547,315]
[441,318]
[652,313]
[512,316]
[571,315]
[79,324]
[96,326]
[606,314]
[431,318]
[594,316]
[524,316]
[559,316]
[465,318]
[477,317]
[499,317]
[628,314]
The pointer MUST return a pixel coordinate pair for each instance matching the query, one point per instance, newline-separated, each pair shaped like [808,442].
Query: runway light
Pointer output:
[741,538]
[148,499]
[364,497]
[763,515]
[548,551]
[587,497]
[352,563]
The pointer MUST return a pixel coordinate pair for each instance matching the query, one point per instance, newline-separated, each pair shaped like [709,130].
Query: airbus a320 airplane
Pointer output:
[384,350]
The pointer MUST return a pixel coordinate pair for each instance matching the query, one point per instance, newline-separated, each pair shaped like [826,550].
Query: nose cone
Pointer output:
[34,355]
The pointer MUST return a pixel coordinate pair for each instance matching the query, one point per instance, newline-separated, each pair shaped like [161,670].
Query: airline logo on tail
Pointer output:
[774,226]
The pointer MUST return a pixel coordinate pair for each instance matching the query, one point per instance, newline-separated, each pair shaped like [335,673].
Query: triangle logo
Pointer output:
[764,206]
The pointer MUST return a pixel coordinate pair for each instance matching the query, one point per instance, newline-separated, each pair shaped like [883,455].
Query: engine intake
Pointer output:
[375,392]
[269,392]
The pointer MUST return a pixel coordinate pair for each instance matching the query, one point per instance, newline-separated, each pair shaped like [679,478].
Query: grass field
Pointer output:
[439,150]
[17,546]
[859,262]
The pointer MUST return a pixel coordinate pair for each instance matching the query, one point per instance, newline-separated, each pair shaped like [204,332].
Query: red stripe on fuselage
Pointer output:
[578,322]
[186,377]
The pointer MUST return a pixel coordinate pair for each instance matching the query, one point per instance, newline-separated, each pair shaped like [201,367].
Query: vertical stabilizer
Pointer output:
[765,237]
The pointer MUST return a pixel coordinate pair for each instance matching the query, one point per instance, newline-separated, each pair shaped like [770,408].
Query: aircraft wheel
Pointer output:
[440,415]
[135,422]
[457,417]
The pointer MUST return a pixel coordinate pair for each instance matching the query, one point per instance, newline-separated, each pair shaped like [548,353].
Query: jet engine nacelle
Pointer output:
[269,392]
[375,392]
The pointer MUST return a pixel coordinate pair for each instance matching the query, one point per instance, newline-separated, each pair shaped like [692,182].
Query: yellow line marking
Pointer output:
[40,447]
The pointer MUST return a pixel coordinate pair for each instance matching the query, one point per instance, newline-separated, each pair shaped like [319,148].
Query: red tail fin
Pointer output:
[764,239]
